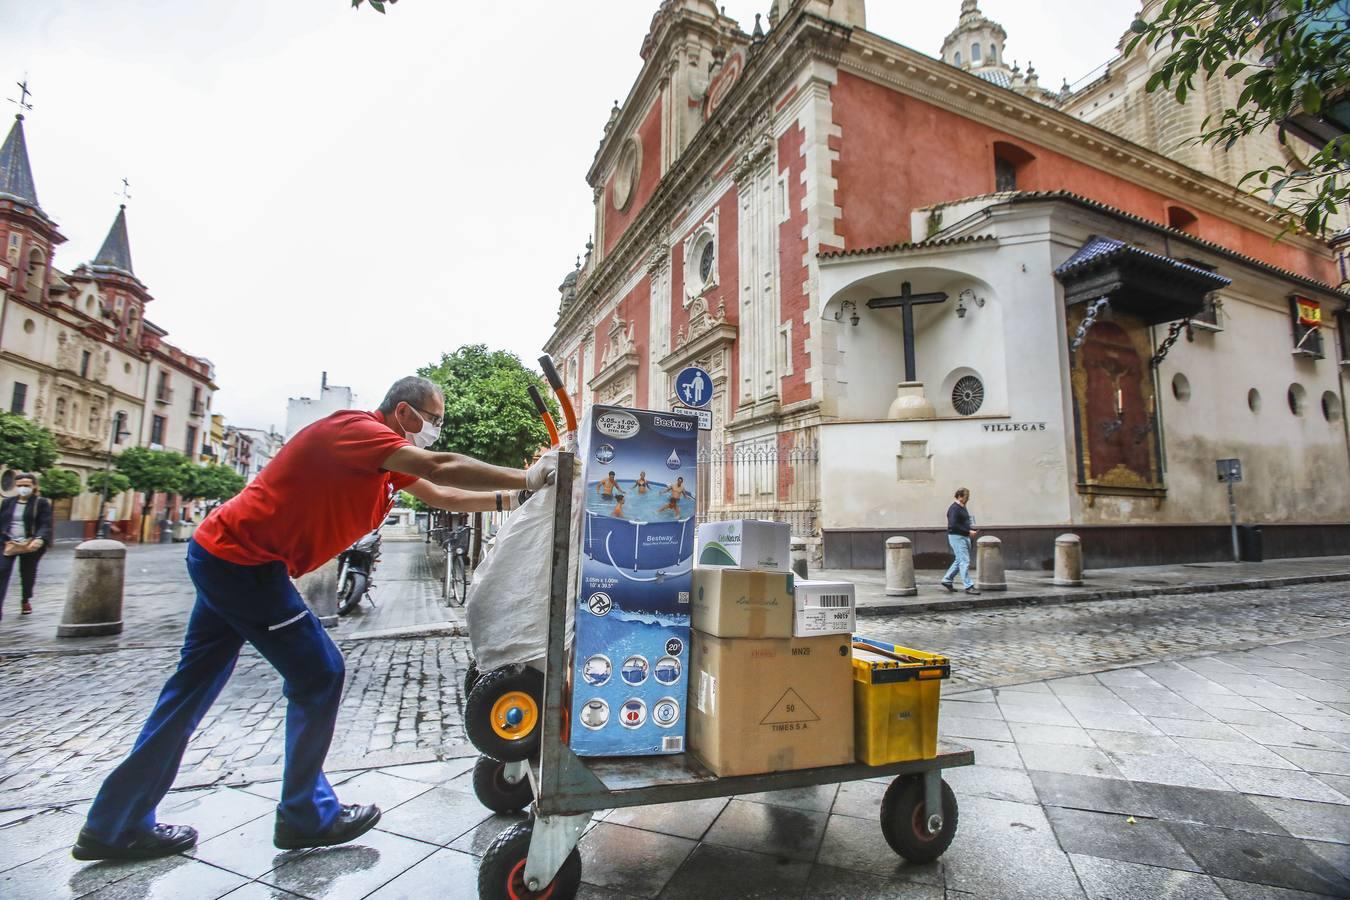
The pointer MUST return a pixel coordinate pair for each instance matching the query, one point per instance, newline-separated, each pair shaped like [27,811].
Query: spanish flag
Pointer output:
[1309,312]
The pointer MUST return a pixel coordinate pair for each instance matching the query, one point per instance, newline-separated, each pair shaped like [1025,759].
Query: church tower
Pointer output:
[123,292]
[27,235]
[978,45]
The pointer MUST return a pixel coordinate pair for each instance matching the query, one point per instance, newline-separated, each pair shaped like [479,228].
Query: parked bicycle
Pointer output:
[457,548]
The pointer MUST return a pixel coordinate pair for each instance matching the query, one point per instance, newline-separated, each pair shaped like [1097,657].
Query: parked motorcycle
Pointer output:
[356,566]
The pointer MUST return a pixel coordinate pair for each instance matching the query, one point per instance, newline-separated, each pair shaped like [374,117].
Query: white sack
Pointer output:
[507,607]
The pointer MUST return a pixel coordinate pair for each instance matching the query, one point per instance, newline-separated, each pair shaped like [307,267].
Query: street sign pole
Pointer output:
[1230,473]
[1232,520]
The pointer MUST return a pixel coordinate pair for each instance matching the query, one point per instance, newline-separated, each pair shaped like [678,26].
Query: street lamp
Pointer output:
[116,435]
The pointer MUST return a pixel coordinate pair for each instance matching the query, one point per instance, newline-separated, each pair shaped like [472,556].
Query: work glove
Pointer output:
[542,473]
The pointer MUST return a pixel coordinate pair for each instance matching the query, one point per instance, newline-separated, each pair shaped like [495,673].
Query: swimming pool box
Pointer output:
[630,680]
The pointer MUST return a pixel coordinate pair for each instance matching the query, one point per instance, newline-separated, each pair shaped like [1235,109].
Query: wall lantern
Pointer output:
[853,319]
[960,302]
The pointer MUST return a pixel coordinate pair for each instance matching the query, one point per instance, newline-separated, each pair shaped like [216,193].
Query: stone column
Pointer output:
[1068,561]
[94,593]
[989,565]
[319,591]
[900,568]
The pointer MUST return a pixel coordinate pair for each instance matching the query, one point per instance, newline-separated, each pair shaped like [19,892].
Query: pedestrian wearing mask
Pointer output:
[26,521]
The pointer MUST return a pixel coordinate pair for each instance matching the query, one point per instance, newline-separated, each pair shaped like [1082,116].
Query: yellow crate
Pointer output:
[895,701]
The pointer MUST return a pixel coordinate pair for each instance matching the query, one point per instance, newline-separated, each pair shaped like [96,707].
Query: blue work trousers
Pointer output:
[235,603]
[960,545]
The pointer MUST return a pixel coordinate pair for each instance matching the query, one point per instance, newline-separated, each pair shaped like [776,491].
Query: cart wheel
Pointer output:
[495,792]
[502,873]
[502,714]
[470,679]
[904,820]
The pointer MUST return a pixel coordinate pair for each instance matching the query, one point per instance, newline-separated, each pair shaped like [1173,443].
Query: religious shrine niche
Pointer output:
[1115,409]
[616,383]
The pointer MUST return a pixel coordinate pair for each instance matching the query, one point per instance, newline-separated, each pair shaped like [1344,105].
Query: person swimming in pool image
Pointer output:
[618,508]
[676,492]
[642,485]
[608,487]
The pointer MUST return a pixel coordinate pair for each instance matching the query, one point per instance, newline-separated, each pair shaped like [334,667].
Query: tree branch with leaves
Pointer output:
[1294,59]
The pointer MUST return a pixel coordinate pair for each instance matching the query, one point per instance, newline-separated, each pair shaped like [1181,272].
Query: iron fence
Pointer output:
[765,479]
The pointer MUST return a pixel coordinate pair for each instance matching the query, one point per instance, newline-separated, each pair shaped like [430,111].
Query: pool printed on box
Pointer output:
[637,552]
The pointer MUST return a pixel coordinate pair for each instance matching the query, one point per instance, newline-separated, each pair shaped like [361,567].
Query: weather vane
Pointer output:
[24,94]
[125,193]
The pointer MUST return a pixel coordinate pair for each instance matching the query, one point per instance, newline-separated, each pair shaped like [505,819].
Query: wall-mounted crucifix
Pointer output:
[907,301]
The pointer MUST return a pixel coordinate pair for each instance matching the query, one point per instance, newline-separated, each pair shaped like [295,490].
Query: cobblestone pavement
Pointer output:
[67,718]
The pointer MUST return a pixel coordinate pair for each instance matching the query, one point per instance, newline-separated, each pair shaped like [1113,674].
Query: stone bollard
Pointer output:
[1068,561]
[798,555]
[900,568]
[989,565]
[319,591]
[94,593]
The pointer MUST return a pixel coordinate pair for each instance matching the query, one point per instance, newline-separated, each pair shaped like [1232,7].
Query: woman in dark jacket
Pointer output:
[26,519]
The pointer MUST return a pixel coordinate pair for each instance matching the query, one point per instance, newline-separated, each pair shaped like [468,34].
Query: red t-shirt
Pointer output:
[322,491]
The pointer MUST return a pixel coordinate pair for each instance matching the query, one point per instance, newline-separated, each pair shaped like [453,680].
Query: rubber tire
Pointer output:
[356,589]
[509,850]
[471,677]
[459,593]
[495,792]
[898,810]
[478,712]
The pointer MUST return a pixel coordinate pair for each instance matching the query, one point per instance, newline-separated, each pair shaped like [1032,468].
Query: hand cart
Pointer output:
[538,857]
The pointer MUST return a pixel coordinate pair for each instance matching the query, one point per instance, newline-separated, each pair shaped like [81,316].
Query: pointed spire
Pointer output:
[16,176]
[116,250]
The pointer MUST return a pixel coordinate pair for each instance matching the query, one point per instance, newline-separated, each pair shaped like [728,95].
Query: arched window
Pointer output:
[1012,167]
[60,412]
[35,276]
[974,54]
[993,54]
[958,57]
[1181,219]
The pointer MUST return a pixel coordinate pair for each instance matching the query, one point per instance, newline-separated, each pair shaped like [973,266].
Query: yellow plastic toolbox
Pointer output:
[895,701]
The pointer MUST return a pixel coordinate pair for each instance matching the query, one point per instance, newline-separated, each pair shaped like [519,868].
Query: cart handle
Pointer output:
[545,415]
[556,382]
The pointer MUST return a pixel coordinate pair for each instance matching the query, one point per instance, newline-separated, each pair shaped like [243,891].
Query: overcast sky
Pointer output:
[319,188]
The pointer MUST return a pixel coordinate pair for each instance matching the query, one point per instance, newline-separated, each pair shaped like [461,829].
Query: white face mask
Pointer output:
[426,437]
[25,491]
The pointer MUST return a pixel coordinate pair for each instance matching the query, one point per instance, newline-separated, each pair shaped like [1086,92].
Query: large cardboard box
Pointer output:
[745,544]
[737,603]
[630,684]
[823,607]
[771,705]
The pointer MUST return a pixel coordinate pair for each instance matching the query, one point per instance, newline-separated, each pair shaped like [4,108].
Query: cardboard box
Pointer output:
[824,607]
[736,603]
[770,705]
[745,544]
[629,683]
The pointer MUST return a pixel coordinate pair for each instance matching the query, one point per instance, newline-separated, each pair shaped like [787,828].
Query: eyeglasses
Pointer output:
[433,421]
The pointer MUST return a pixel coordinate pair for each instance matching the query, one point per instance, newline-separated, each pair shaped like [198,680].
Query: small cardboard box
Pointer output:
[744,544]
[824,607]
[770,705]
[734,603]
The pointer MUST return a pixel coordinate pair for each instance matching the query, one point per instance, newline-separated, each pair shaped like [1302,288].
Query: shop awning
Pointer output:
[1154,287]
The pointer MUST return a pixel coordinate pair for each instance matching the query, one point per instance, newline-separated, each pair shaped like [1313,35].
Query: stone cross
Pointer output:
[907,301]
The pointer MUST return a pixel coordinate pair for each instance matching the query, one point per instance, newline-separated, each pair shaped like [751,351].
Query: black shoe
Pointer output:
[948,585]
[971,590]
[162,840]
[352,822]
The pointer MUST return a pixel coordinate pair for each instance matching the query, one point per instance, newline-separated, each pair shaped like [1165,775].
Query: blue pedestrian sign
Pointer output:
[694,387]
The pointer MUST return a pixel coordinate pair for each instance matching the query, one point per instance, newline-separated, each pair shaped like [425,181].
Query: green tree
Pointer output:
[408,501]
[488,413]
[213,483]
[60,484]
[152,471]
[117,483]
[24,444]
[1294,59]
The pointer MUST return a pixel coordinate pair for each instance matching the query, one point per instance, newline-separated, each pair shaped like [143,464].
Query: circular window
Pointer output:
[1181,387]
[1254,400]
[967,395]
[28,326]
[1331,406]
[1298,399]
[706,260]
[626,173]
